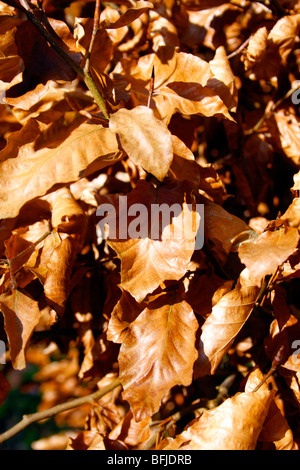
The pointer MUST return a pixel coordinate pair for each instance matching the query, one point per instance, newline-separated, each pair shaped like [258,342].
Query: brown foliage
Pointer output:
[126,108]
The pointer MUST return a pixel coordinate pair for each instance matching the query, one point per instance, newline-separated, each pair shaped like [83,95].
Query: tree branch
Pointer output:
[29,419]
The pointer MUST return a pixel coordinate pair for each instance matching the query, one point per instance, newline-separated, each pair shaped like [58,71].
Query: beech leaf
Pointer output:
[161,345]
[21,316]
[233,425]
[27,173]
[145,139]
[221,327]
[150,259]
[269,251]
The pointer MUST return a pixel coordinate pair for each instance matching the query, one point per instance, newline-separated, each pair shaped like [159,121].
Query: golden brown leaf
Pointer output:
[221,327]
[161,345]
[145,139]
[263,256]
[27,173]
[21,316]
[234,425]
[224,236]
[162,251]
[129,16]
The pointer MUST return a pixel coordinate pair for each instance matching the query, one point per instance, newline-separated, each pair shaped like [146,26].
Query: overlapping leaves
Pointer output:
[187,125]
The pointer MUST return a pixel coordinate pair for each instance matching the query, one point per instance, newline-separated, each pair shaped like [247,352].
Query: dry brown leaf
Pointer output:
[11,65]
[182,84]
[129,16]
[223,82]
[59,269]
[224,231]
[277,431]
[161,345]
[149,260]
[162,30]
[285,131]
[267,53]
[124,313]
[28,173]
[21,316]
[131,432]
[145,139]
[221,327]
[263,256]
[185,167]
[256,47]
[234,425]
[67,215]
[201,4]
[102,51]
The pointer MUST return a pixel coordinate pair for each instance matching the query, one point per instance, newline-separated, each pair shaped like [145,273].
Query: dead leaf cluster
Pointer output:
[202,109]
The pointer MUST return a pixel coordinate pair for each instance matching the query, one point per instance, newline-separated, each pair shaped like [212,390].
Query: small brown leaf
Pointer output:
[145,139]
[129,16]
[234,425]
[221,327]
[263,256]
[21,316]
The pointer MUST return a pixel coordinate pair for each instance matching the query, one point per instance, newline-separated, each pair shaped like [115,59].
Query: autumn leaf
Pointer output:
[268,252]
[227,318]
[161,344]
[145,139]
[32,173]
[129,16]
[226,236]
[21,316]
[157,252]
[213,430]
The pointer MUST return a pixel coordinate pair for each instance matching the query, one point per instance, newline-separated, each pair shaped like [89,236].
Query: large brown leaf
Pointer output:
[27,172]
[233,425]
[269,251]
[184,83]
[227,318]
[165,253]
[129,16]
[145,139]
[224,231]
[158,352]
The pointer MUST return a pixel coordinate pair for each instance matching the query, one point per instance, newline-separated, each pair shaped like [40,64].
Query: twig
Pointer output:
[278,359]
[93,37]
[151,88]
[29,419]
[239,49]
[199,405]
[270,108]
[25,8]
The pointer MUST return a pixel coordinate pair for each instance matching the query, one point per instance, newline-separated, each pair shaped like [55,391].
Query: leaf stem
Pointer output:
[32,418]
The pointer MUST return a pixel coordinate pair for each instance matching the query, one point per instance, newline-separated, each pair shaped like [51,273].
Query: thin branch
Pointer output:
[239,49]
[270,108]
[93,37]
[29,419]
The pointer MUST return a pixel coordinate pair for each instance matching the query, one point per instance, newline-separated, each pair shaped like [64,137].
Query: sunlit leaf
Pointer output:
[161,345]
